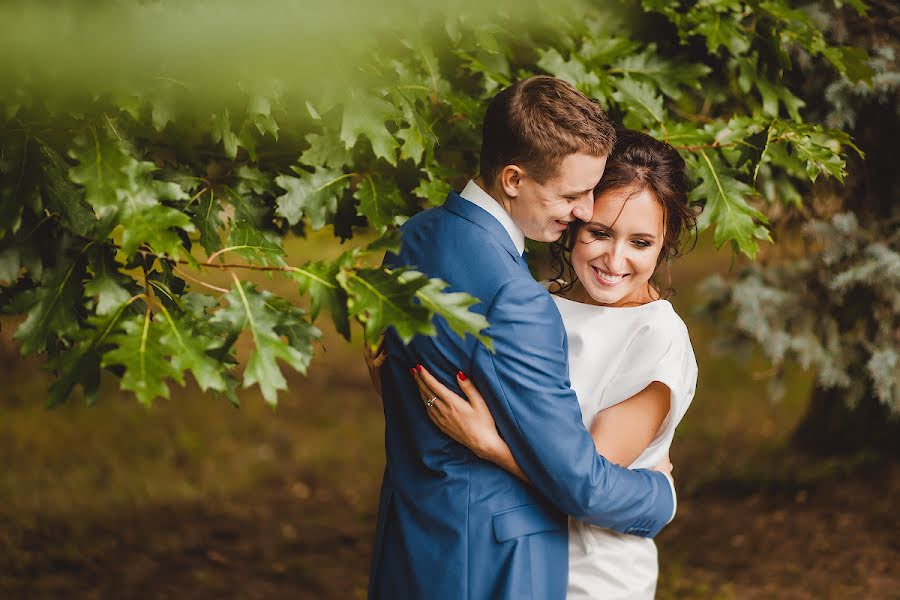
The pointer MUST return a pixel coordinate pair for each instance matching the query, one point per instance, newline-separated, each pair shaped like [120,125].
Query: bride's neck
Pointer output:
[577,293]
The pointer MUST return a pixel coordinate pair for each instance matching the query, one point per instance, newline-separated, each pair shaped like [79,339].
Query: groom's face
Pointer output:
[543,211]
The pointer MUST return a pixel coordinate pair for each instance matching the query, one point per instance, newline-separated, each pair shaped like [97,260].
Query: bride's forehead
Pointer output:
[633,206]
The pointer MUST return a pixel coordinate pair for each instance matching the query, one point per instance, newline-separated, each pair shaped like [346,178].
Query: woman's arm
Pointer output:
[623,431]
[630,428]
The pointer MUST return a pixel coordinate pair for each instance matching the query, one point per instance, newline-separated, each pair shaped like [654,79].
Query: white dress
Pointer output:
[615,353]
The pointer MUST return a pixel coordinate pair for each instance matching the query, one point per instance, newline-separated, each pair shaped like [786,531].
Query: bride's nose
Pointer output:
[615,258]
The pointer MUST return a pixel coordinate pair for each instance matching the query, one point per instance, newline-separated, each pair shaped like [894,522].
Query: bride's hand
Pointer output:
[374,360]
[469,423]
[665,465]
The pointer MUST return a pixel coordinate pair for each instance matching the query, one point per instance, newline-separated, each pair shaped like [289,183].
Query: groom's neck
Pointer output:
[497,194]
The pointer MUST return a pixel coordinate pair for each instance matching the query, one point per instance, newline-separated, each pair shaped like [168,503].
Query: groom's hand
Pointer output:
[375,357]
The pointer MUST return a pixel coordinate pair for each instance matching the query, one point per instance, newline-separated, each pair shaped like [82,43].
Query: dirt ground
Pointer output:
[311,541]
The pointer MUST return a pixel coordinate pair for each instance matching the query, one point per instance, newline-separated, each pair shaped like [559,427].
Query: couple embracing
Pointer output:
[539,469]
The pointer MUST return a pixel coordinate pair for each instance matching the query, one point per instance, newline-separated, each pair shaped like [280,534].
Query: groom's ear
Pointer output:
[510,180]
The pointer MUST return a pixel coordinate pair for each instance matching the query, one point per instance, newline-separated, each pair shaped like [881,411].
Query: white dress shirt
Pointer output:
[477,196]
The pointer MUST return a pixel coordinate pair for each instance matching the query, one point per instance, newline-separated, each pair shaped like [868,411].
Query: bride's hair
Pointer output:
[640,162]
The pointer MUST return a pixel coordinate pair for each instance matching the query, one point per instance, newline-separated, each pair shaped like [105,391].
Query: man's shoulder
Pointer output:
[442,235]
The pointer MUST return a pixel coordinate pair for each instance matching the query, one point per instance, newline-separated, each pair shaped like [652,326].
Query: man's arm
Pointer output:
[621,432]
[526,387]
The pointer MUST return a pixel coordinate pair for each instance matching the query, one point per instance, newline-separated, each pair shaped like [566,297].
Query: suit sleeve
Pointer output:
[526,385]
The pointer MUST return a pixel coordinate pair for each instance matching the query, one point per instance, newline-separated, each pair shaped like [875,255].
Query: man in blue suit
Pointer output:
[451,525]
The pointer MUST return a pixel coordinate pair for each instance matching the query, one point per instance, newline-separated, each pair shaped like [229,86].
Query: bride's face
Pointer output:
[615,253]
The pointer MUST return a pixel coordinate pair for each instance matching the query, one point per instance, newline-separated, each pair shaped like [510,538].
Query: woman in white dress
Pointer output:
[630,357]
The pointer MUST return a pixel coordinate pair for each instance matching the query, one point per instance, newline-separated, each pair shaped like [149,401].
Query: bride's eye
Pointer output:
[599,235]
[642,243]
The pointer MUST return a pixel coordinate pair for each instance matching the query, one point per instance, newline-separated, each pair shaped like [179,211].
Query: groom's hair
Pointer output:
[535,123]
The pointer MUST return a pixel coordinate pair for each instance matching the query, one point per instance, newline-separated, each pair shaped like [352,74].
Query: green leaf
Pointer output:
[109,287]
[154,225]
[685,134]
[221,132]
[259,114]
[162,111]
[60,195]
[107,291]
[55,310]
[434,188]
[454,308]
[366,115]
[119,187]
[390,241]
[314,195]
[319,280]
[851,62]
[726,205]
[143,355]
[81,363]
[253,181]
[381,202]
[189,348]
[492,67]
[292,324]
[666,74]
[325,151]
[605,49]
[418,136]
[247,207]
[642,105]
[774,93]
[817,149]
[251,309]
[104,168]
[9,265]
[206,218]
[381,298]
[718,22]
[750,136]
[414,142]
[572,70]
[255,245]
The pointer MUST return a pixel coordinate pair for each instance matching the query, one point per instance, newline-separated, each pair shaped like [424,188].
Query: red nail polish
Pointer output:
[419,368]
[462,376]
[412,371]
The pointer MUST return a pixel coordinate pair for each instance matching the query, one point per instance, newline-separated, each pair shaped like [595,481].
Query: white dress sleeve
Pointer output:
[660,351]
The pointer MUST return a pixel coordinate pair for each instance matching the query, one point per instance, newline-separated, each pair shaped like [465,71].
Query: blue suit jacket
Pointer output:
[451,525]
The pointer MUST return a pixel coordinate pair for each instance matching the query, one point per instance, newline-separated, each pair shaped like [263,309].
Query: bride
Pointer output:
[630,356]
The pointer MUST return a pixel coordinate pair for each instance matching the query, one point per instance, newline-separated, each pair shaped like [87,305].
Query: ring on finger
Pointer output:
[430,402]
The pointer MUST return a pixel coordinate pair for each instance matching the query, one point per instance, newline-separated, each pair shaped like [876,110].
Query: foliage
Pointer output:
[835,310]
[832,303]
[114,201]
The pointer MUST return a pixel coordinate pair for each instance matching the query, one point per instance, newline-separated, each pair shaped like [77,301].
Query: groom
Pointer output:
[450,525]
